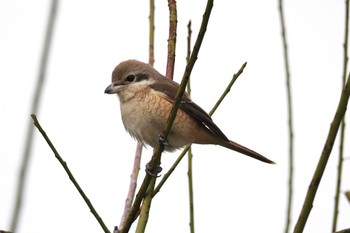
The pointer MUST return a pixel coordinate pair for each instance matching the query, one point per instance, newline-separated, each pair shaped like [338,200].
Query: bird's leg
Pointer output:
[161,140]
[155,172]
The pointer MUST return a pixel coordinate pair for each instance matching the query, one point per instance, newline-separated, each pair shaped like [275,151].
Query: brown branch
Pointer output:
[172,39]
[132,186]
[151,33]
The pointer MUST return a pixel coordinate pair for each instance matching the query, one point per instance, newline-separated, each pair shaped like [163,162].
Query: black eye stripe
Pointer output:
[136,78]
[141,76]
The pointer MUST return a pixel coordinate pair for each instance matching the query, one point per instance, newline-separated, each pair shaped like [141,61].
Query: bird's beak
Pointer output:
[112,89]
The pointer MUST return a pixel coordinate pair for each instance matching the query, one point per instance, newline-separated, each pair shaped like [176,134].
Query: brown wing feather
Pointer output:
[170,88]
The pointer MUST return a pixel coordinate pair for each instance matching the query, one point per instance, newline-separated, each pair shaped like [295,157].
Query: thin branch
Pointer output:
[155,161]
[172,39]
[69,173]
[190,155]
[188,54]
[34,109]
[342,128]
[151,33]
[321,166]
[145,208]
[132,186]
[212,111]
[290,119]
[228,88]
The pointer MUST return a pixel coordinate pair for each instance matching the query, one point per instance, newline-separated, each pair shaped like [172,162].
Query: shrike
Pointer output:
[146,98]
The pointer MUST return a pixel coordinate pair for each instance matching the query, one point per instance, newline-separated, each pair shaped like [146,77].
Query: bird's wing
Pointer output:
[169,88]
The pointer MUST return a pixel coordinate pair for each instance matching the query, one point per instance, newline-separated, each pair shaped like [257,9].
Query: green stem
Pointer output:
[190,155]
[342,129]
[321,166]
[69,173]
[290,119]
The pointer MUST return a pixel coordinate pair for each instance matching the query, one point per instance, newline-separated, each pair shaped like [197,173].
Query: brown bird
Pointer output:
[146,98]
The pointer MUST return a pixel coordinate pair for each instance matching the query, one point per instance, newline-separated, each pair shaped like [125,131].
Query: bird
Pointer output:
[146,98]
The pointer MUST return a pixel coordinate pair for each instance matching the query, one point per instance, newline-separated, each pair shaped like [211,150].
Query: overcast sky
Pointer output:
[233,193]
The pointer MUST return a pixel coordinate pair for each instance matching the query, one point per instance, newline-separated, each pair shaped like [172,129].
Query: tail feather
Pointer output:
[244,150]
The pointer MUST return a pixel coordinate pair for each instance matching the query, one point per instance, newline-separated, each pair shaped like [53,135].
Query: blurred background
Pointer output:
[232,193]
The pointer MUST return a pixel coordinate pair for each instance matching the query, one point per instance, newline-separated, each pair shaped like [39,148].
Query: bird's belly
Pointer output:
[145,118]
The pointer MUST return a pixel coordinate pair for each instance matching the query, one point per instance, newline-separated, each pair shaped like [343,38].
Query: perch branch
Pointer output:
[155,161]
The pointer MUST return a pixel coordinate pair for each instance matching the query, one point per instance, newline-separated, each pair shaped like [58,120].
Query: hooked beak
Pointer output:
[113,88]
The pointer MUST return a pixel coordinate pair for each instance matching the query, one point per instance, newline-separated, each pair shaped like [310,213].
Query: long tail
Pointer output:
[244,150]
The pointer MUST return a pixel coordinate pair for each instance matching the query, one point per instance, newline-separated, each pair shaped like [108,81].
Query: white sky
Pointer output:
[232,193]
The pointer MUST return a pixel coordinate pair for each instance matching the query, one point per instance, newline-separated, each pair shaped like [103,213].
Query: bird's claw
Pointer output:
[161,140]
[153,173]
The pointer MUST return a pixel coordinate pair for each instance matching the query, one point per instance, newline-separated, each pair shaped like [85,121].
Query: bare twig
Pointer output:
[132,186]
[69,173]
[190,155]
[172,39]
[151,33]
[342,128]
[290,119]
[321,166]
[34,109]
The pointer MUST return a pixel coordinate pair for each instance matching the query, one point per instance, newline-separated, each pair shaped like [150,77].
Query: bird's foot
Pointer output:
[161,140]
[155,172]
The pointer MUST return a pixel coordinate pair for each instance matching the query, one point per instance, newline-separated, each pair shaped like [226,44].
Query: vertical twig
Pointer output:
[132,186]
[322,163]
[155,161]
[342,128]
[151,33]
[34,109]
[290,119]
[172,39]
[190,155]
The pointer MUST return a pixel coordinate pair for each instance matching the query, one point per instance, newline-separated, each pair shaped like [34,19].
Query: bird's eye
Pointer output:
[130,78]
